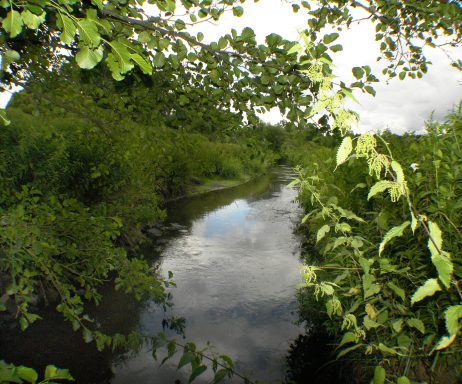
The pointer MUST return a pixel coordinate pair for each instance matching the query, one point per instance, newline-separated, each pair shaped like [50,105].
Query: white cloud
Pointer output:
[399,105]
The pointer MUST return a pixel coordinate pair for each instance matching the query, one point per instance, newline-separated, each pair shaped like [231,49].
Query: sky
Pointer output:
[399,105]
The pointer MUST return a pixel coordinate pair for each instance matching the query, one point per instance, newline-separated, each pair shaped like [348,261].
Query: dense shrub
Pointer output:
[390,300]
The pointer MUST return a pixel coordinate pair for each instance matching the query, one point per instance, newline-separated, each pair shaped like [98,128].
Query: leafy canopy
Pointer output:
[235,71]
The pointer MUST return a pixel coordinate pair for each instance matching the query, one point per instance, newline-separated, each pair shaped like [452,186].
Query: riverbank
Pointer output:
[211,184]
[217,183]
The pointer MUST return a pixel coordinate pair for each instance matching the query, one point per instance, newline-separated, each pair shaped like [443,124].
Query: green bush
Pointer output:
[390,300]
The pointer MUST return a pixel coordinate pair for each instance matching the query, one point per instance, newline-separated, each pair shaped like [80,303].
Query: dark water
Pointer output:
[236,264]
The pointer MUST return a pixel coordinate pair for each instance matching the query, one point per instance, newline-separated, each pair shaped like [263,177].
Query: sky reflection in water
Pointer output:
[236,269]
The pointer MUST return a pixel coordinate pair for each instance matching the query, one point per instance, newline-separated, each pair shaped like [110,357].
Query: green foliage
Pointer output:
[198,360]
[392,298]
[43,244]
[20,374]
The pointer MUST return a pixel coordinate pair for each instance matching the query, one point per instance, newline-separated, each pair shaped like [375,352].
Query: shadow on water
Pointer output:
[311,359]
[52,340]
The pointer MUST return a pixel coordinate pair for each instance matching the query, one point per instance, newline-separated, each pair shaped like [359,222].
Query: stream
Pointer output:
[236,263]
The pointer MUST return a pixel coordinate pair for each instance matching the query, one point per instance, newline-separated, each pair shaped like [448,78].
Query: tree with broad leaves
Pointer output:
[133,37]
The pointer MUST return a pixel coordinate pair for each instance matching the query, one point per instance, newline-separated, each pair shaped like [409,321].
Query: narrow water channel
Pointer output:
[235,261]
[236,265]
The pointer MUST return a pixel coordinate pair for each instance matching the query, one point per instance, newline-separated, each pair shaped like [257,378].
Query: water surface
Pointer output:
[236,266]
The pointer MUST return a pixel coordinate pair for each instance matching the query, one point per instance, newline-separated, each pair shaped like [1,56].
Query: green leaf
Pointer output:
[436,236]
[219,376]
[183,100]
[114,67]
[196,372]
[8,373]
[358,72]
[350,95]
[35,9]
[54,373]
[370,90]
[145,67]
[452,315]
[170,5]
[392,233]
[68,29]
[329,38]
[366,266]
[293,183]
[87,337]
[88,58]
[23,323]
[159,59]
[214,75]
[222,43]
[13,23]
[322,232]
[398,172]
[187,358]
[345,351]
[369,323]
[159,340]
[370,289]
[397,290]
[9,56]
[417,324]
[336,48]
[122,56]
[274,40]
[379,187]
[387,350]
[403,380]
[171,350]
[379,375]
[164,44]
[88,33]
[397,325]
[348,337]
[296,48]
[4,118]
[28,374]
[429,288]
[238,11]
[98,3]
[31,20]
[180,24]
[248,34]
[144,37]
[344,150]
[445,342]
[444,267]
[404,341]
